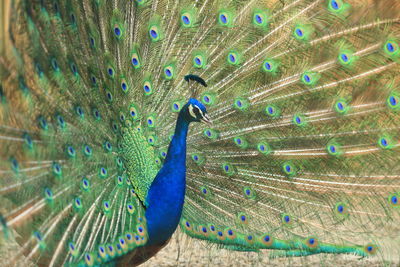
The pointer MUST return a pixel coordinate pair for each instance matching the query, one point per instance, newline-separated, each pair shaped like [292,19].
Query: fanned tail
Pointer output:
[301,158]
[66,190]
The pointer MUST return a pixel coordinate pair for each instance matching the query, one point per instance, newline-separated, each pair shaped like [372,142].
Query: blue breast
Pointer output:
[166,195]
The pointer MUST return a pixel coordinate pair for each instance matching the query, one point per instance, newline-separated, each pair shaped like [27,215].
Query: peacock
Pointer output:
[253,125]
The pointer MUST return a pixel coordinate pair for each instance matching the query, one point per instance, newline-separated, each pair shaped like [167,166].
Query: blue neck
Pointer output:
[177,147]
[167,192]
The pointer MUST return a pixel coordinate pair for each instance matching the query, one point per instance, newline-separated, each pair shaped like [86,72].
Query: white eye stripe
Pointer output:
[201,112]
[191,112]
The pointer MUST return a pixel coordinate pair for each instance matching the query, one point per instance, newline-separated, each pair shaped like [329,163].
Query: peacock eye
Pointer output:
[194,111]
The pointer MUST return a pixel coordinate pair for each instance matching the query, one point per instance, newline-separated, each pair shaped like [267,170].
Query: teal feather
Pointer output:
[301,157]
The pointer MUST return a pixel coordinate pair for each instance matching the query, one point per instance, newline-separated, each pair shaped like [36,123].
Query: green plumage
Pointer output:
[302,157]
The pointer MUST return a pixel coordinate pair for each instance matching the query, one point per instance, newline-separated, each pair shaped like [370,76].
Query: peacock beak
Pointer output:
[206,119]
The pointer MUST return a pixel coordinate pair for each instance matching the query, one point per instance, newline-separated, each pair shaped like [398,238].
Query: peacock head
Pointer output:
[195,111]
